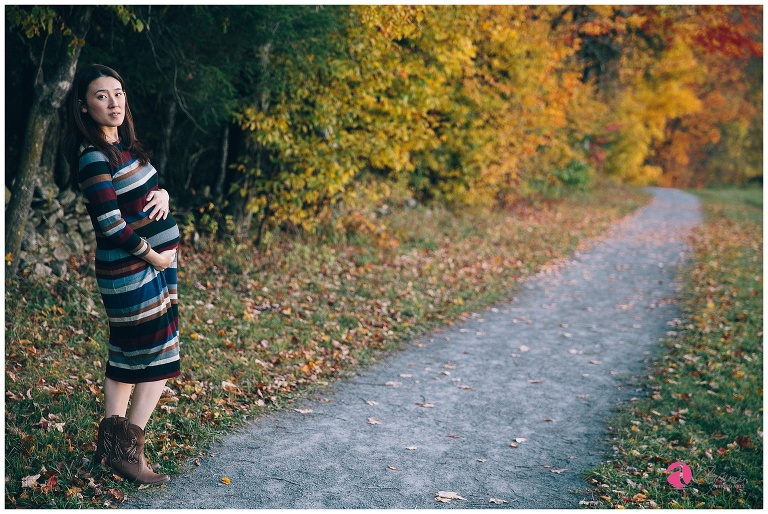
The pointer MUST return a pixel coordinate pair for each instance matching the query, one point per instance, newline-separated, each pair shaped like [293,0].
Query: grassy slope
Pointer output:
[705,396]
[261,327]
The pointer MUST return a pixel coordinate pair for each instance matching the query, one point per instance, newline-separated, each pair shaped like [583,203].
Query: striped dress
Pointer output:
[141,303]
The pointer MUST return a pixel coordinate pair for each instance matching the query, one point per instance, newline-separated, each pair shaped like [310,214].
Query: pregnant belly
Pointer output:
[162,234]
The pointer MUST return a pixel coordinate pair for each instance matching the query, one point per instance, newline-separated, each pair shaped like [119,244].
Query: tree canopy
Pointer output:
[276,115]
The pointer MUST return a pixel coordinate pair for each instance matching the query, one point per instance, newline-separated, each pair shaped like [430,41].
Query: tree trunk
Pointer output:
[49,96]
[52,150]
[218,191]
[165,144]
[243,215]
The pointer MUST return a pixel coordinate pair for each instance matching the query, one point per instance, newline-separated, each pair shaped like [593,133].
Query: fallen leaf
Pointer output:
[198,463]
[481,460]
[304,411]
[230,387]
[535,381]
[582,396]
[226,481]
[426,405]
[74,492]
[447,496]
[374,421]
[394,384]
[520,439]
[558,471]
[393,468]
[371,402]
[513,445]
[117,495]
[549,420]
[29,481]
[497,501]
[411,447]
[524,348]
[594,362]
[50,484]
[454,436]
[465,387]
[405,375]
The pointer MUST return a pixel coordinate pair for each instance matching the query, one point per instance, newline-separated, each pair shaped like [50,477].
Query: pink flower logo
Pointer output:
[679,477]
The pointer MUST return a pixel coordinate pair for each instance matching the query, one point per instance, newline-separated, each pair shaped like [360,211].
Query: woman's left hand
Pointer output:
[158,201]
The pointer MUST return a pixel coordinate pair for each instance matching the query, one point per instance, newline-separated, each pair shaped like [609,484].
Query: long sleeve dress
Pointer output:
[141,302]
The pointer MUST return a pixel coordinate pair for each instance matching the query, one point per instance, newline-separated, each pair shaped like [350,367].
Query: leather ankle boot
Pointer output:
[105,441]
[128,459]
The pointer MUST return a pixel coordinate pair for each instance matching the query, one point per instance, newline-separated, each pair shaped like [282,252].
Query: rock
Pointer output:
[52,207]
[41,270]
[51,219]
[71,225]
[85,225]
[62,252]
[51,237]
[30,240]
[80,207]
[47,192]
[59,269]
[75,243]
[67,197]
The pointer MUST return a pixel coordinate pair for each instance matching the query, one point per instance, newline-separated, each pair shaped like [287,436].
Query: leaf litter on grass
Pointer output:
[293,316]
[704,396]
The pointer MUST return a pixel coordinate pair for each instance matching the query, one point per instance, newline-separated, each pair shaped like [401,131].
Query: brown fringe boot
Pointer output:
[127,457]
[105,441]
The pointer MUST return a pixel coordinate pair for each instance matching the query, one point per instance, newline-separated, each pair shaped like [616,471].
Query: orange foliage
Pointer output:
[479,104]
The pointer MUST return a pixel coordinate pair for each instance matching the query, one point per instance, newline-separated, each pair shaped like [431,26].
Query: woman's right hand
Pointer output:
[160,261]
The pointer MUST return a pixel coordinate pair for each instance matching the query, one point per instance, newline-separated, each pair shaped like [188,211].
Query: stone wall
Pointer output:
[58,229]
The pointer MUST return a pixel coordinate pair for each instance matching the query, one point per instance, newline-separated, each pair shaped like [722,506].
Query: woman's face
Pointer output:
[105,103]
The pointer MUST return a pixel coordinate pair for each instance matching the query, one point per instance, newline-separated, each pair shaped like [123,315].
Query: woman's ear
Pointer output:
[83,107]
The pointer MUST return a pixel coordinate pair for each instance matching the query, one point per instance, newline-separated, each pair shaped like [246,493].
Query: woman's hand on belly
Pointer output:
[162,260]
[159,203]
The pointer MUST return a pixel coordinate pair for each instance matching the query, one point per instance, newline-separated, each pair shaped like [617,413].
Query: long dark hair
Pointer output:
[82,129]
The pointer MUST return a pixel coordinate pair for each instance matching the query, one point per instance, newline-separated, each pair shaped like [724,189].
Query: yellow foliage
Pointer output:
[468,104]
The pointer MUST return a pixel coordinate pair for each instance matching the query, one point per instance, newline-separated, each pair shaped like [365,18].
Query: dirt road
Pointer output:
[542,373]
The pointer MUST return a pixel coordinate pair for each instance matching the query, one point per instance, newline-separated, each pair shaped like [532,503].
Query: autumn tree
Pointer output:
[673,76]
[287,117]
[63,31]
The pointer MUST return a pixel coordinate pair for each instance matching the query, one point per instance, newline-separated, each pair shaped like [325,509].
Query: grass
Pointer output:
[261,327]
[705,396]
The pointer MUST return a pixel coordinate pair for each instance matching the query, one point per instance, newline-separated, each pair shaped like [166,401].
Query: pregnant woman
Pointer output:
[136,260]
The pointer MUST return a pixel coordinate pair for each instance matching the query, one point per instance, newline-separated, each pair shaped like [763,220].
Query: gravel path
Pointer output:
[543,372]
